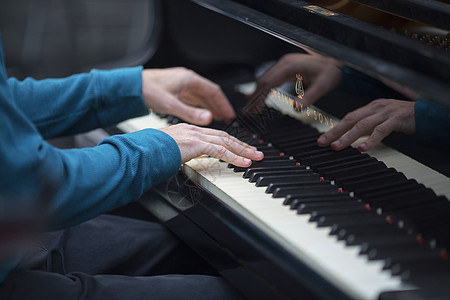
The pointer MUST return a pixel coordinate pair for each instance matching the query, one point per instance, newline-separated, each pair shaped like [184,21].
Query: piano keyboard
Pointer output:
[350,216]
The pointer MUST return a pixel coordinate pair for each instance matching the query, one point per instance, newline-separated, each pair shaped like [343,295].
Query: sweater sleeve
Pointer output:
[80,102]
[432,125]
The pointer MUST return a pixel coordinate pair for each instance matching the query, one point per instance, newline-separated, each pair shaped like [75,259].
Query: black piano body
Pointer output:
[230,42]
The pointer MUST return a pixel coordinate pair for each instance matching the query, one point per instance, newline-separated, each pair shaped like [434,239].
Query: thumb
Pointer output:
[190,114]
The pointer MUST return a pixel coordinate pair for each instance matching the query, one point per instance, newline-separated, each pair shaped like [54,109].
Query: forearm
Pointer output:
[95,180]
[80,102]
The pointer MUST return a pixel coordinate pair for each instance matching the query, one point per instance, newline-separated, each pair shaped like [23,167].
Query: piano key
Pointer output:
[298,141]
[317,158]
[358,291]
[360,219]
[340,264]
[333,160]
[310,188]
[257,175]
[249,172]
[380,191]
[349,211]
[344,165]
[325,206]
[264,164]
[383,252]
[350,178]
[384,238]
[299,203]
[287,179]
[359,169]
[300,198]
[374,182]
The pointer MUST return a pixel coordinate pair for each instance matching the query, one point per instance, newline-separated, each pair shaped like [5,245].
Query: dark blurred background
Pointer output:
[53,38]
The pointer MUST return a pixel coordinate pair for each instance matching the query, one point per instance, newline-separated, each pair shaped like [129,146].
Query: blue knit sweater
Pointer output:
[85,182]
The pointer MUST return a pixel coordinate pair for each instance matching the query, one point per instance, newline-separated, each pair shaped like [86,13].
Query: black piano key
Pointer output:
[333,161]
[278,156]
[389,238]
[368,230]
[388,189]
[317,158]
[401,199]
[349,209]
[410,257]
[312,188]
[297,202]
[266,180]
[251,170]
[308,155]
[286,142]
[360,169]
[268,163]
[380,248]
[427,212]
[376,182]
[290,199]
[440,205]
[297,171]
[358,221]
[389,251]
[301,184]
[290,135]
[347,164]
[317,209]
[298,141]
[264,148]
[348,179]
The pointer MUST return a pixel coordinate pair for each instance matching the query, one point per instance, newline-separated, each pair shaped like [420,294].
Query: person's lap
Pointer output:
[114,258]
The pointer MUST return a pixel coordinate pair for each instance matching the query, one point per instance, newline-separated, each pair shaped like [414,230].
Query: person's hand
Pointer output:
[320,74]
[179,92]
[195,141]
[377,119]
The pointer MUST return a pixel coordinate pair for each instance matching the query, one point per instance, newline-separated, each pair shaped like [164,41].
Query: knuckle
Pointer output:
[349,118]
[221,150]
[379,103]
[185,126]
[382,129]
[228,140]
[362,125]
[372,140]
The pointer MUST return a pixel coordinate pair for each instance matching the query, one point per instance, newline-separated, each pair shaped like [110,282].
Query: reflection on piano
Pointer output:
[310,222]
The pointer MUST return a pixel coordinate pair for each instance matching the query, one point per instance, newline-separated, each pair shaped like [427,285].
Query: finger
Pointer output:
[223,135]
[362,128]
[379,133]
[344,125]
[323,84]
[221,152]
[233,145]
[212,97]
[194,115]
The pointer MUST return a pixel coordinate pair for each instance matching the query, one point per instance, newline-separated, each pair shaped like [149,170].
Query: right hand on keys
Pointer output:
[195,141]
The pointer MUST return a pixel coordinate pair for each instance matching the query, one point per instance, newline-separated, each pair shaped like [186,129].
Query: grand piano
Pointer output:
[310,222]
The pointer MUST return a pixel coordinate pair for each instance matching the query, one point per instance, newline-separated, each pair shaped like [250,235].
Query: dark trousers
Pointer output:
[112,258]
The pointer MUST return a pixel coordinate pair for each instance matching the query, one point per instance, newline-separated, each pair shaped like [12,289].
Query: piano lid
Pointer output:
[405,54]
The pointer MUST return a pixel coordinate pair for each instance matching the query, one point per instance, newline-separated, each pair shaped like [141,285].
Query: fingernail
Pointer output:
[259,153]
[204,116]
[336,143]
[322,140]
[247,161]
[362,147]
